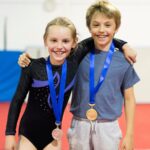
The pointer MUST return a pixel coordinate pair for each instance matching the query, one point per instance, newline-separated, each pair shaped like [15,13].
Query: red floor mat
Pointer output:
[142,126]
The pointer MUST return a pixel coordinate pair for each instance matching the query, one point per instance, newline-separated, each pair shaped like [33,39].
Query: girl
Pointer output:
[39,119]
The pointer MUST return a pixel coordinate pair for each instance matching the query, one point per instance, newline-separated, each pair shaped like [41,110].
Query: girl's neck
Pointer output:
[56,63]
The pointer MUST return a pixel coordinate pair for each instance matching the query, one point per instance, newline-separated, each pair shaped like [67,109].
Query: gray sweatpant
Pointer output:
[96,135]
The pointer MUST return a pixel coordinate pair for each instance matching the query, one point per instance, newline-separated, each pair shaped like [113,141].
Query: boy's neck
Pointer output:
[103,47]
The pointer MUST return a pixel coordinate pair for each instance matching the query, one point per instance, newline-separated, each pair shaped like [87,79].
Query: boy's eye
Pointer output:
[108,25]
[95,25]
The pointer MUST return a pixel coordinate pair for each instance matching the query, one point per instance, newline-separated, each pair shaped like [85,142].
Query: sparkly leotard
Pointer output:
[38,120]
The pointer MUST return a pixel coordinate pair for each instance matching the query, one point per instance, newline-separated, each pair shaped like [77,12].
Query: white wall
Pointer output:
[143,69]
[26,21]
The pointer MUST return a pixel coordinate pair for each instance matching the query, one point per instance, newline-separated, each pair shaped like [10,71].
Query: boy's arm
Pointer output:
[130,54]
[128,143]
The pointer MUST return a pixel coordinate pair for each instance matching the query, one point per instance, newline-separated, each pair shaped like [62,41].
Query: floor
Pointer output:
[142,125]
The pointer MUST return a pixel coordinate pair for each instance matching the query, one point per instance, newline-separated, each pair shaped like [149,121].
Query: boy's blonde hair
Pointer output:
[106,8]
[61,21]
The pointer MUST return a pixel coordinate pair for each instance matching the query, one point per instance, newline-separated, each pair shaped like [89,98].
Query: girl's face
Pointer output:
[59,42]
[102,30]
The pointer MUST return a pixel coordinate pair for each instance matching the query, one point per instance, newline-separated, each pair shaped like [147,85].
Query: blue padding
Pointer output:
[9,74]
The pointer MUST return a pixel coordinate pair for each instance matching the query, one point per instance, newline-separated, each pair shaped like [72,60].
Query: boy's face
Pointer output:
[59,42]
[102,30]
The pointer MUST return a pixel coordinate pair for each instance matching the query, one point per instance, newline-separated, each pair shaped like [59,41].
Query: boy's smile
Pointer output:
[102,30]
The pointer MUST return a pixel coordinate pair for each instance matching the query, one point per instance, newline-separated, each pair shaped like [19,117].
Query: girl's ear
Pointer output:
[45,43]
[75,43]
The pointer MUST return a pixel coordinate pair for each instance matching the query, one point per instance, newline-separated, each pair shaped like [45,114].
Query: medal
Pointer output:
[91,114]
[57,101]
[57,133]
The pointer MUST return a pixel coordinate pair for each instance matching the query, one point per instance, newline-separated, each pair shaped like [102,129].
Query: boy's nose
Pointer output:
[101,29]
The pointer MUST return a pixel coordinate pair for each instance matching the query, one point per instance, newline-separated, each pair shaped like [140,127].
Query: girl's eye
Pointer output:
[53,40]
[65,41]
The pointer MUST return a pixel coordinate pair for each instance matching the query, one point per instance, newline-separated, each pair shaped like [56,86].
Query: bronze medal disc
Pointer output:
[57,134]
[91,114]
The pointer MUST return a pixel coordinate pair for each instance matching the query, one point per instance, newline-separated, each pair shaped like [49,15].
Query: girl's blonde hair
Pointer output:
[61,21]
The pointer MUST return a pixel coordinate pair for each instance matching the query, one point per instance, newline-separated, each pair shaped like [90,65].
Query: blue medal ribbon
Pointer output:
[57,103]
[94,90]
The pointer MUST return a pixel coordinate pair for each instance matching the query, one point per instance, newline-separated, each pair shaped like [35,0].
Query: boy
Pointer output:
[98,99]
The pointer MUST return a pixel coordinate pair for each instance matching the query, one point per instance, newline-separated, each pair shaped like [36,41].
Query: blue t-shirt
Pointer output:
[109,99]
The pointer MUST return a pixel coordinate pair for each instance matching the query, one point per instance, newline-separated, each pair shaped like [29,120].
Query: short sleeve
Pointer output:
[130,78]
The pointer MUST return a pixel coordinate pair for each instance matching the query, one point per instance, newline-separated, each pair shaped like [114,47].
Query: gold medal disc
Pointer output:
[91,114]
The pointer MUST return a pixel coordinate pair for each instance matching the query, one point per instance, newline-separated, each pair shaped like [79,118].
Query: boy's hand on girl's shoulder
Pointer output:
[24,60]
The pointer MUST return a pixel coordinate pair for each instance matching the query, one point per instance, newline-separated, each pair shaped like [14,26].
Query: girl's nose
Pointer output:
[60,45]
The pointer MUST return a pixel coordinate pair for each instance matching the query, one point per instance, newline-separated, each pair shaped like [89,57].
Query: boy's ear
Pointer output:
[117,29]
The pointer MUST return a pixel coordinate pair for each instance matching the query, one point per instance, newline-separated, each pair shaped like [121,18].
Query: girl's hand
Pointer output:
[10,143]
[130,54]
